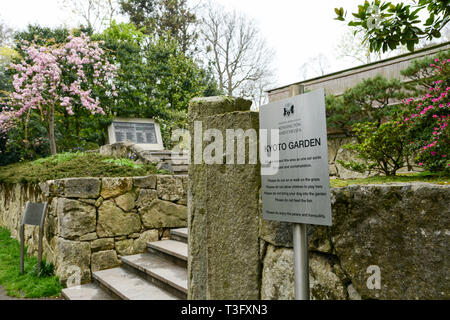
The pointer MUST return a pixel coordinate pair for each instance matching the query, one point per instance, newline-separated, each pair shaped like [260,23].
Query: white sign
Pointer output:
[298,190]
[144,132]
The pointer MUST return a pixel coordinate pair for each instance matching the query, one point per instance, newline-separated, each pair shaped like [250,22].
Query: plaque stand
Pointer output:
[34,215]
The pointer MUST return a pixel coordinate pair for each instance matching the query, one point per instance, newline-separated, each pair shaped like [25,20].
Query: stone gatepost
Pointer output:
[223,205]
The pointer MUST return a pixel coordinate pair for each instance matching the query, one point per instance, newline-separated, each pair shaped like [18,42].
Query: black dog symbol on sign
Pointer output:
[288,110]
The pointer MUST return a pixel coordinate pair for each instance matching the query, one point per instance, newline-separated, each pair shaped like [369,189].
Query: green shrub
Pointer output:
[382,149]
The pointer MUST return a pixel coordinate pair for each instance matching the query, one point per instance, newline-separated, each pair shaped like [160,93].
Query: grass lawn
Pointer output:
[67,165]
[28,285]
[409,177]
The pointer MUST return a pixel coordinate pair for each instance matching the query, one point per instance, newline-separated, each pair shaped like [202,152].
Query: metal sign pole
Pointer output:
[301,262]
[300,240]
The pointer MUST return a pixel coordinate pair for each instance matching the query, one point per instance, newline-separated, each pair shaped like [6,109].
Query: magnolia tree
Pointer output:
[55,77]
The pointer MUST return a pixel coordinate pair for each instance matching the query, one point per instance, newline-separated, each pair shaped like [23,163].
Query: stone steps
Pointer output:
[171,250]
[180,234]
[159,274]
[128,286]
[90,291]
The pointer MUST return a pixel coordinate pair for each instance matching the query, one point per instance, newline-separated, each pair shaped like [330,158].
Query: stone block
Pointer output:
[113,187]
[75,218]
[170,188]
[113,221]
[126,201]
[104,260]
[102,244]
[73,261]
[148,182]
[163,214]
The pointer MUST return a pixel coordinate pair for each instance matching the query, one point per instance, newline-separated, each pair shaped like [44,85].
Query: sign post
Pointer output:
[297,188]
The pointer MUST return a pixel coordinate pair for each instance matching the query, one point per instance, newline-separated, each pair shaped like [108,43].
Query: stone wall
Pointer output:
[401,229]
[92,221]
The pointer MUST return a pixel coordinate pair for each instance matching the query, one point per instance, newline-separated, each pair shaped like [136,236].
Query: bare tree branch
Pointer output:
[240,56]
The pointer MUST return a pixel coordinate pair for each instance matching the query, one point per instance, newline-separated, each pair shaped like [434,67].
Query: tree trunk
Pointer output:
[51,129]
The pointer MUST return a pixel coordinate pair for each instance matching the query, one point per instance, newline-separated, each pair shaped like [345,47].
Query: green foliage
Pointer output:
[156,79]
[426,119]
[421,74]
[163,19]
[29,284]
[381,148]
[386,25]
[123,163]
[46,270]
[69,165]
[369,101]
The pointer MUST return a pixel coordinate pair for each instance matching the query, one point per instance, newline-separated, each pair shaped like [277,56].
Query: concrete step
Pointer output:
[173,251]
[159,271]
[180,234]
[128,286]
[90,291]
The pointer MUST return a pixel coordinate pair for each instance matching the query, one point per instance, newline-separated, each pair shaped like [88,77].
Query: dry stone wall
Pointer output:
[92,221]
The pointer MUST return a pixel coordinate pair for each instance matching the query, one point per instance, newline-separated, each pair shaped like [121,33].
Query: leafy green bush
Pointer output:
[382,149]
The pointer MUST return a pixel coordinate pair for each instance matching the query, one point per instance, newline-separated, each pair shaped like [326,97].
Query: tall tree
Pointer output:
[239,53]
[163,18]
[315,67]
[94,14]
[385,26]
[155,78]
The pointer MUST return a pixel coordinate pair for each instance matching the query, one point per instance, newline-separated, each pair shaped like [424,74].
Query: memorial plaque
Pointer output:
[144,132]
[298,190]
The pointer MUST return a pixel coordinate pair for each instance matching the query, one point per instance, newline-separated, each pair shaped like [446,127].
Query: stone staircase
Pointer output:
[159,274]
[177,162]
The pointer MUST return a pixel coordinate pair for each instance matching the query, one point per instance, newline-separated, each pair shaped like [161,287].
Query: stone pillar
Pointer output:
[223,204]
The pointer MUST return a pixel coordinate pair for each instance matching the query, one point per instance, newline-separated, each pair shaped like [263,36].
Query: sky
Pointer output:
[296,30]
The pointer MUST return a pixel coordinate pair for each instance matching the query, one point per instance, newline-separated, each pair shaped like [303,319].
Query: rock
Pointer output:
[146,197]
[126,201]
[327,281]
[163,214]
[278,274]
[102,244]
[145,182]
[125,247]
[75,218]
[170,188]
[104,260]
[134,235]
[347,155]
[402,229]
[112,221]
[99,202]
[81,188]
[113,187]
[140,244]
[73,260]
[88,237]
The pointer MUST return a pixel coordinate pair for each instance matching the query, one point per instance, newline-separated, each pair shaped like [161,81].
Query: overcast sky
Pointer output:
[296,29]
